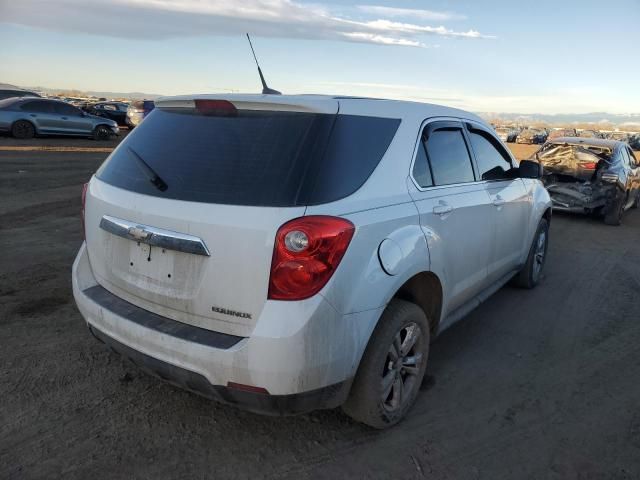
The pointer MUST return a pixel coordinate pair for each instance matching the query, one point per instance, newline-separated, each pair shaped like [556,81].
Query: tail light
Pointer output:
[307,252]
[588,165]
[84,201]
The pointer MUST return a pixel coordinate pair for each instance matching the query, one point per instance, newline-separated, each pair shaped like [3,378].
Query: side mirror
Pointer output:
[530,169]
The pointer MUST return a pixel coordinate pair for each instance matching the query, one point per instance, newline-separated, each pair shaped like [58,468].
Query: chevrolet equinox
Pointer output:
[291,253]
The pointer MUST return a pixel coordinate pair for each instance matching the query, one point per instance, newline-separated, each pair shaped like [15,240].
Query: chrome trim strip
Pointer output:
[157,237]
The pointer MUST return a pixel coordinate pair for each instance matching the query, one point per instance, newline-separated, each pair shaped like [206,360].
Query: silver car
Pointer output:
[27,117]
[290,253]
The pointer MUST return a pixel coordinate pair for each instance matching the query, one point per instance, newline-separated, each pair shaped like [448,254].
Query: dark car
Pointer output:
[138,109]
[27,116]
[114,110]
[532,136]
[10,93]
[590,175]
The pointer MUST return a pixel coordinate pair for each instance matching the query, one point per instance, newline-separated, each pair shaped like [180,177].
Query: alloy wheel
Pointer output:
[538,257]
[401,368]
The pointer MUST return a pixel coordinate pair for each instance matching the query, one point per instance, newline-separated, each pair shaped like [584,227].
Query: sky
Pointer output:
[485,56]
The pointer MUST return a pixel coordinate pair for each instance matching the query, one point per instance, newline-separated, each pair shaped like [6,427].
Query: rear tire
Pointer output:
[636,201]
[387,384]
[531,273]
[613,216]
[23,129]
[101,133]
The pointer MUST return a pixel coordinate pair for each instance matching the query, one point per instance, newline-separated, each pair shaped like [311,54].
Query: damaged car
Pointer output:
[589,175]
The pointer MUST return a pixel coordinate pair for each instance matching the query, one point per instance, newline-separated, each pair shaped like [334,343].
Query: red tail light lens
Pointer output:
[306,253]
[84,200]
[588,165]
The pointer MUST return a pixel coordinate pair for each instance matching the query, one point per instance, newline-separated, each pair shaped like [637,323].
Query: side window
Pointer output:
[64,109]
[109,107]
[493,161]
[448,156]
[633,158]
[37,106]
[421,169]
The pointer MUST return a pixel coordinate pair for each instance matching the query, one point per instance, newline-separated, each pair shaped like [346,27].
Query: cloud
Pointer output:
[394,12]
[161,19]
[559,101]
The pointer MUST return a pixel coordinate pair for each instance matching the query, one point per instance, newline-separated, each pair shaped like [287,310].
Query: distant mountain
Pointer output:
[601,118]
[88,93]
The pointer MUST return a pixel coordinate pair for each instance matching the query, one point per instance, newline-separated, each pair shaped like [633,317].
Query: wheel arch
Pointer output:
[425,290]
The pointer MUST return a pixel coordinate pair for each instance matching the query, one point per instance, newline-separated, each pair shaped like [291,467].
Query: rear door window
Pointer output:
[260,158]
[448,156]
[421,168]
[492,159]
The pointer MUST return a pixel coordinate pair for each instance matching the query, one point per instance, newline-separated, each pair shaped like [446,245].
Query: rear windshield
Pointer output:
[259,158]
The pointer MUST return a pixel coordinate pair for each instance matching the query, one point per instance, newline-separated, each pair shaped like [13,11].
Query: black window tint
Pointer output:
[449,158]
[356,146]
[66,109]
[256,158]
[492,163]
[37,106]
[421,170]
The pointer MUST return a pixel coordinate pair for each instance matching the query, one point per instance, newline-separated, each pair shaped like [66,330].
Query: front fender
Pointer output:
[540,203]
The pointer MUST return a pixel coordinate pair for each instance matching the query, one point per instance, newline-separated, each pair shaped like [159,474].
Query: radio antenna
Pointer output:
[265,89]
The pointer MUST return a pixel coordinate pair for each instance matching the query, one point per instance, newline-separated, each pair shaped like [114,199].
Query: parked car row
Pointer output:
[26,117]
[25,114]
[532,136]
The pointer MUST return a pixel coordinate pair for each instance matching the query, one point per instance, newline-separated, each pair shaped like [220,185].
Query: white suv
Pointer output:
[290,253]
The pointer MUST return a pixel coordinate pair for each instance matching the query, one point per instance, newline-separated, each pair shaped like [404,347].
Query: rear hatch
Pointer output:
[568,162]
[182,216]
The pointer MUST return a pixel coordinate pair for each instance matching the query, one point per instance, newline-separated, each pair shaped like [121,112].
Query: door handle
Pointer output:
[442,209]
[64,118]
[498,201]
[33,115]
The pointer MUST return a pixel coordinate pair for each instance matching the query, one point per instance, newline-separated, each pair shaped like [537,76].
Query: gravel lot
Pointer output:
[532,385]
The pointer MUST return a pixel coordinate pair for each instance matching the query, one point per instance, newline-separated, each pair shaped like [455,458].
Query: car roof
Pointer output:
[590,142]
[378,107]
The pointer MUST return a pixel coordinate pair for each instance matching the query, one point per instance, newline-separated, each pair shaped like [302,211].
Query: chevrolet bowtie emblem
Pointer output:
[139,233]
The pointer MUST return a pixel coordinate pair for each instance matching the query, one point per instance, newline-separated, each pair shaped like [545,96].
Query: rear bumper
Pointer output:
[303,353]
[293,404]
[574,197]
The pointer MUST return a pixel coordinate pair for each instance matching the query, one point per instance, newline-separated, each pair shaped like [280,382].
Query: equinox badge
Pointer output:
[233,313]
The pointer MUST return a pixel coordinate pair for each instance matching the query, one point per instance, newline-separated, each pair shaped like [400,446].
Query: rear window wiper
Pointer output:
[148,171]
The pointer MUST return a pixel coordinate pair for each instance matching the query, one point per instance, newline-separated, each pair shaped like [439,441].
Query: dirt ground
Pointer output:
[538,384]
